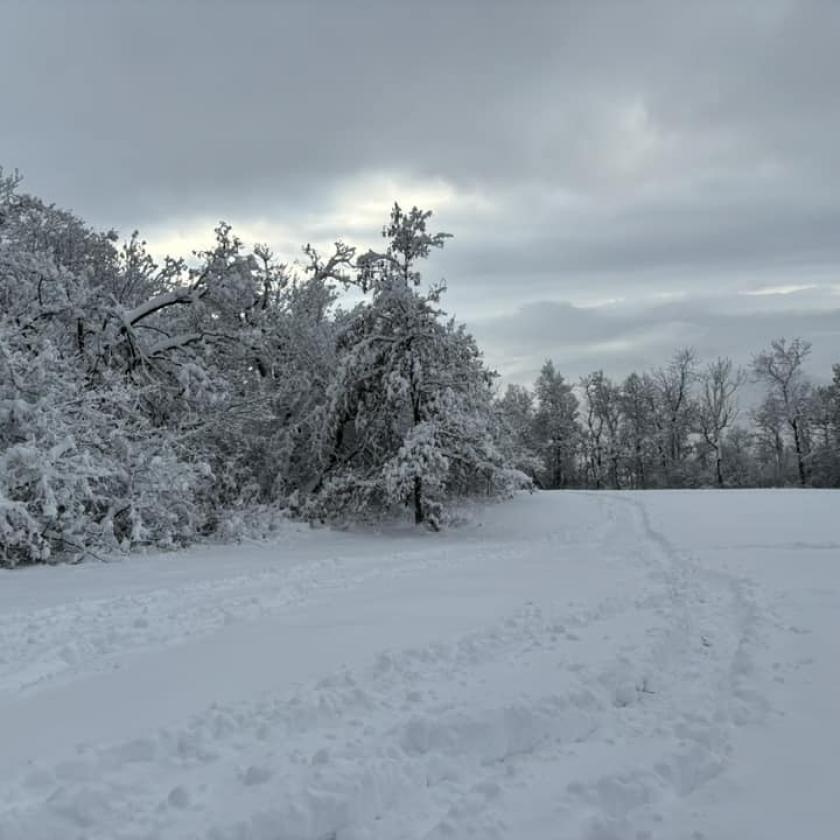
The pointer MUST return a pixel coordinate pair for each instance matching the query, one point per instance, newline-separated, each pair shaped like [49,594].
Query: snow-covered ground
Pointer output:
[566,665]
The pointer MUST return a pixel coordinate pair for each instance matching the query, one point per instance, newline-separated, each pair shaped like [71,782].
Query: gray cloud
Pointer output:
[580,152]
[623,338]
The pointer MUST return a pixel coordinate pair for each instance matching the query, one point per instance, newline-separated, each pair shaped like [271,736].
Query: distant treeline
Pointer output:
[680,425]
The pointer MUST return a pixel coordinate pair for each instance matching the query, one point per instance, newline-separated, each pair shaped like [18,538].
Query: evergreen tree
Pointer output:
[556,431]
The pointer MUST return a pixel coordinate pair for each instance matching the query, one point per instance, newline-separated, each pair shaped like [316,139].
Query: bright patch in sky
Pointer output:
[791,289]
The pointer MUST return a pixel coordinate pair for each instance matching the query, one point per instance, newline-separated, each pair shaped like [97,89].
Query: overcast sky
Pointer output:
[620,178]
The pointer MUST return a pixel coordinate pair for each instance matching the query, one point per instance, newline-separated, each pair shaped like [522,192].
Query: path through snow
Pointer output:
[568,665]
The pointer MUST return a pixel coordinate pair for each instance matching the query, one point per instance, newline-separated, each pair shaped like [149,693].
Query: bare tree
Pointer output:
[768,422]
[718,408]
[780,369]
[637,402]
[675,408]
[603,418]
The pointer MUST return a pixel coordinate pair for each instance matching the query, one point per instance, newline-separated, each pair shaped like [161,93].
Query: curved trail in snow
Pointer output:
[557,668]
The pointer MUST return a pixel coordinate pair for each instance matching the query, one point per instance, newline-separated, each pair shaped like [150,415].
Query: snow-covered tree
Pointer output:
[516,413]
[409,417]
[81,464]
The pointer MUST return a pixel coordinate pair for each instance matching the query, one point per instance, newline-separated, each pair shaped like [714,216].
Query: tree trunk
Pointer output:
[800,461]
[780,456]
[641,473]
[418,500]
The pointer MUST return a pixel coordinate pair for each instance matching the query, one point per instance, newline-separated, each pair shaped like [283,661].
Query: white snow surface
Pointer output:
[565,665]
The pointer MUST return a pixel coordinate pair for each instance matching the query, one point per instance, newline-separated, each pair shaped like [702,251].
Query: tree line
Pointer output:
[150,402]
[145,402]
[680,425]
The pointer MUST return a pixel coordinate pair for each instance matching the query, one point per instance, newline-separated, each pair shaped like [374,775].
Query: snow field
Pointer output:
[568,665]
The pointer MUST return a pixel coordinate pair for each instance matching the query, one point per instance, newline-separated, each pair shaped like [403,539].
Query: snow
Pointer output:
[565,665]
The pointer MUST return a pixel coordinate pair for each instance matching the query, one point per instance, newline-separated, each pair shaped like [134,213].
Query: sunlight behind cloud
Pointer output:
[361,205]
[355,212]
[180,238]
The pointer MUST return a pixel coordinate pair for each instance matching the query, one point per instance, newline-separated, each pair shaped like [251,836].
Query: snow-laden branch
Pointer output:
[174,342]
[155,304]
